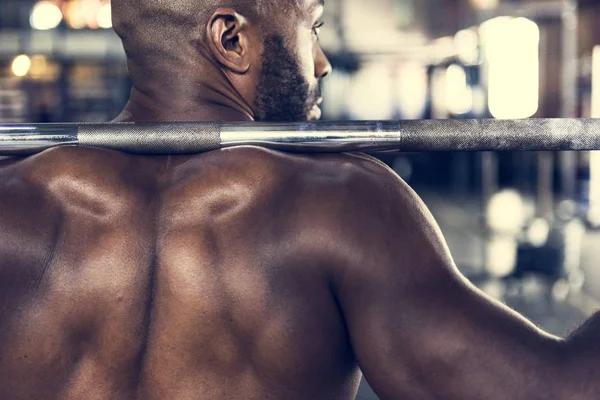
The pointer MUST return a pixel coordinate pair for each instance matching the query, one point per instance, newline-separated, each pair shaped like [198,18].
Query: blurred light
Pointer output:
[485,4]
[43,70]
[501,256]
[561,290]
[91,9]
[479,101]
[494,288]
[369,29]
[511,47]
[39,65]
[371,93]
[45,15]
[566,210]
[506,212]
[574,231]
[534,286]
[593,216]
[104,18]
[21,65]
[594,209]
[439,108]
[459,96]
[411,90]
[577,280]
[466,43]
[596,82]
[538,231]
[441,49]
[75,14]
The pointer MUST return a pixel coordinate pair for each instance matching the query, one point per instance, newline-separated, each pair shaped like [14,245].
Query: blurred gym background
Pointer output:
[521,226]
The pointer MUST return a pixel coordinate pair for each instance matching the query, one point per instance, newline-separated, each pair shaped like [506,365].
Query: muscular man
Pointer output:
[245,273]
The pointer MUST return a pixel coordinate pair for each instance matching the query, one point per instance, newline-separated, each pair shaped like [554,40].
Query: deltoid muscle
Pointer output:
[366,136]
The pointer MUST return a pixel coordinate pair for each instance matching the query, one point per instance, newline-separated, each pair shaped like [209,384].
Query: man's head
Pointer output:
[259,57]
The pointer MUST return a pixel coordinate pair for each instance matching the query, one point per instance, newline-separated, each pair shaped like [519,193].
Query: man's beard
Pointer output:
[283,94]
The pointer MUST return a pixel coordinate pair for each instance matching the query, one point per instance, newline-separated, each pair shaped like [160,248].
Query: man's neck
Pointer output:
[208,104]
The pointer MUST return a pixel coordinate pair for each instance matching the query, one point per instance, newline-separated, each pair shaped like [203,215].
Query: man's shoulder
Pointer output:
[336,170]
[327,183]
[65,175]
[301,176]
[324,175]
[292,187]
[61,161]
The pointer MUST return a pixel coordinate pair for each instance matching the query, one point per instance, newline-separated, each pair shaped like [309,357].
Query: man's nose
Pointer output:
[322,65]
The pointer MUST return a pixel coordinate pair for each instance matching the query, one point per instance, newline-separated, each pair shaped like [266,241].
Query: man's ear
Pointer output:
[227,34]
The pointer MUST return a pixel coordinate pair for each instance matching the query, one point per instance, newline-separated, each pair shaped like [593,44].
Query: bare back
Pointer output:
[247,273]
[170,277]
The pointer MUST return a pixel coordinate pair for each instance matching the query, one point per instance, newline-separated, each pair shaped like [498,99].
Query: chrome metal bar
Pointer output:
[367,136]
[423,135]
[18,140]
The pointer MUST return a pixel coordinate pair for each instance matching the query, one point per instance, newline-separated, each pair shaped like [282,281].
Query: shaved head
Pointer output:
[157,28]
[185,53]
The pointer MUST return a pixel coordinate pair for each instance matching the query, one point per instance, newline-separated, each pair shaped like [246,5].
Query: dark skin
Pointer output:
[248,273]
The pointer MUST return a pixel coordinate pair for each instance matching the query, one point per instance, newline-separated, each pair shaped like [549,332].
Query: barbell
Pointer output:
[364,136]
